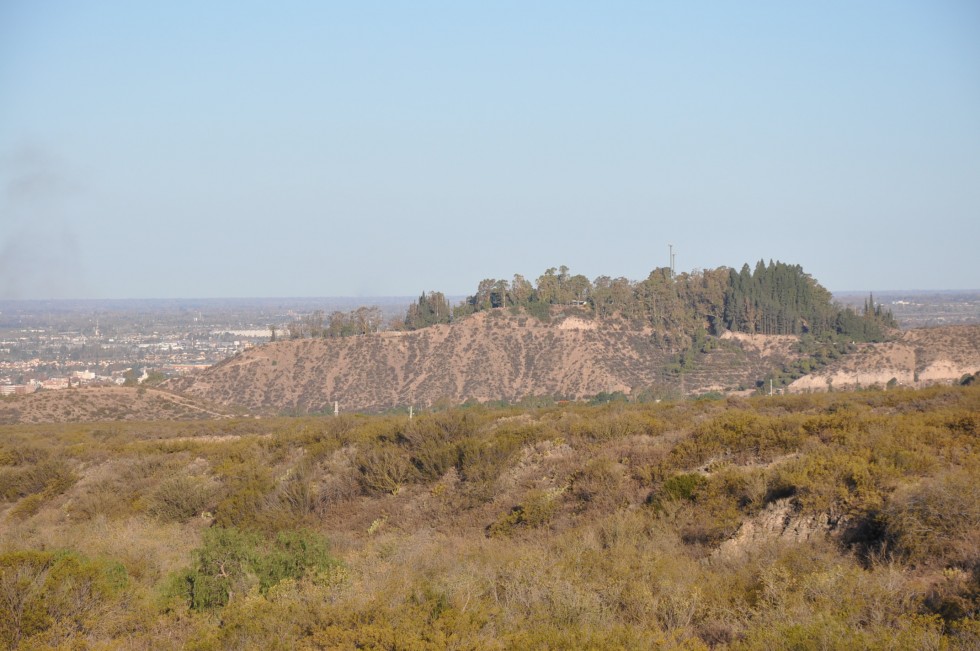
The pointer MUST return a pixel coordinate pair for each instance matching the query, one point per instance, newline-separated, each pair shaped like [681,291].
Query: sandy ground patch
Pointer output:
[577,323]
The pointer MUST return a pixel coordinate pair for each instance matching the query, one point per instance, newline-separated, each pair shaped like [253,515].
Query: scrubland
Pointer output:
[840,520]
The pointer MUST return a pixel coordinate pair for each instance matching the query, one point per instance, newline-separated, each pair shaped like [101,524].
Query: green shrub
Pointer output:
[42,590]
[294,554]
[231,563]
[681,487]
[536,510]
[539,310]
[225,567]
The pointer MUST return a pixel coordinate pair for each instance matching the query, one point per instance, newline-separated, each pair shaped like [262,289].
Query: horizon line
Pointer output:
[384,296]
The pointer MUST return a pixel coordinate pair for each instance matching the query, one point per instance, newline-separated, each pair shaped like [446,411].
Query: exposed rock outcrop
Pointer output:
[918,358]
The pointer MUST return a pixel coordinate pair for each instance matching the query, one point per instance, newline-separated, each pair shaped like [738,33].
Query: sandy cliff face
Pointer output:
[488,356]
[918,357]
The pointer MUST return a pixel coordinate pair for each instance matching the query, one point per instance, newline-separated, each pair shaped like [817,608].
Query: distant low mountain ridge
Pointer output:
[497,356]
[492,355]
[564,337]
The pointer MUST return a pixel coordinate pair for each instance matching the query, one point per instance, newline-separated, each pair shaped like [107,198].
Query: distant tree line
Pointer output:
[361,321]
[774,298]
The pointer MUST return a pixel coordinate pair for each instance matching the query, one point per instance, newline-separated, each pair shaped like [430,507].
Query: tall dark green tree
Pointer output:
[429,309]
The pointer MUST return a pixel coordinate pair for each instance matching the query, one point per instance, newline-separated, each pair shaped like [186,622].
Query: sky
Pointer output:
[236,149]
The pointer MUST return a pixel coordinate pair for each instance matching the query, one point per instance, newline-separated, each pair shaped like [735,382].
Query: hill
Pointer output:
[563,337]
[487,356]
[497,355]
[92,404]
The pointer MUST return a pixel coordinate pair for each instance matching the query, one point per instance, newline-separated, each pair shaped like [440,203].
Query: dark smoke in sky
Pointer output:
[39,252]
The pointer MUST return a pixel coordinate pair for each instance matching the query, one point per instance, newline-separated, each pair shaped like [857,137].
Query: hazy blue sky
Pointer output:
[190,149]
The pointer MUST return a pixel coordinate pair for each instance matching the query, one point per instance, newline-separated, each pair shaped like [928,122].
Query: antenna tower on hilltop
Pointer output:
[672,259]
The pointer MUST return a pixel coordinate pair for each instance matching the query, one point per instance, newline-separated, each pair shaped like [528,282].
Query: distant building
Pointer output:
[16,389]
[182,369]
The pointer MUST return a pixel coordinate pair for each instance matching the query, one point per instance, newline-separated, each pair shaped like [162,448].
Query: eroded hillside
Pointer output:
[101,404]
[917,358]
[491,355]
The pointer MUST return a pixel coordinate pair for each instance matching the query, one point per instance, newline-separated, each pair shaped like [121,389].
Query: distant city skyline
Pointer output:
[185,150]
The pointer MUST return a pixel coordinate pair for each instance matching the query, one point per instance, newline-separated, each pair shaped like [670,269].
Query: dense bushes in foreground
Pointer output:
[813,521]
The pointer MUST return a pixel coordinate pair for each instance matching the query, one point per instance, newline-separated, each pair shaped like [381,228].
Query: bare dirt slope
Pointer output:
[488,356]
[101,404]
[919,357]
